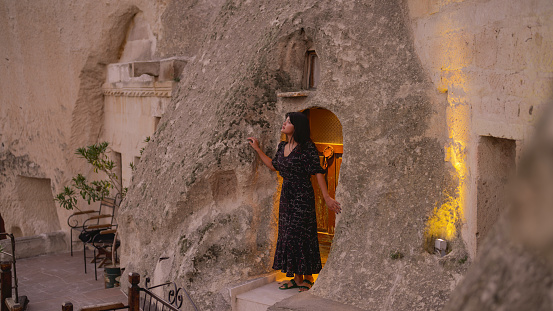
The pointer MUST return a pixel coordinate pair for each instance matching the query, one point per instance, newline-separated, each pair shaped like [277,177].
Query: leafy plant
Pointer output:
[67,198]
[92,191]
[147,140]
[132,165]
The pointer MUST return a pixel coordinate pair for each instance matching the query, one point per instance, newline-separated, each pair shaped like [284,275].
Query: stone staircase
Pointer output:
[259,294]
[263,297]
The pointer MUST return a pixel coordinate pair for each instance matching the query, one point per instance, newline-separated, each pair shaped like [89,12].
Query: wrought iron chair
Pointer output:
[78,219]
[75,222]
[94,225]
[105,245]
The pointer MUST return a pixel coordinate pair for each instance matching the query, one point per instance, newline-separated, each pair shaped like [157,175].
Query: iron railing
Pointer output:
[175,298]
[144,299]
[12,255]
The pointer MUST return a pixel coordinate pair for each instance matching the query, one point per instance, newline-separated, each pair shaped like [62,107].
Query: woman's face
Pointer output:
[287,127]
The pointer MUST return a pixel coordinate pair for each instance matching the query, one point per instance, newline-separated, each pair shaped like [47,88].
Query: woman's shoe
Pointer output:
[305,288]
[286,286]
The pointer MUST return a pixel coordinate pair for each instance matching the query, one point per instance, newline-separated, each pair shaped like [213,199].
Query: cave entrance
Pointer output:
[496,163]
[326,133]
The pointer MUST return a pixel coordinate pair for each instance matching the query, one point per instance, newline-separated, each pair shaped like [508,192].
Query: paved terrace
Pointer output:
[48,281]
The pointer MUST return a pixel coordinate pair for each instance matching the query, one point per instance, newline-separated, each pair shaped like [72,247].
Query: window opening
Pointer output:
[312,70]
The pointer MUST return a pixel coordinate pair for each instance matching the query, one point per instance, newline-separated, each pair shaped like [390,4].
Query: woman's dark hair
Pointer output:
[302,134]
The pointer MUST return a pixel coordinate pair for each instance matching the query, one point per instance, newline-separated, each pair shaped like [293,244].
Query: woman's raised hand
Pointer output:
[266,160]
[333,205]
[254,143]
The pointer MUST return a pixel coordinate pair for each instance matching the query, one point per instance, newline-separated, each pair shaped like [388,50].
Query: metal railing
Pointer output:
[148,301]
[175,298]
[6,275]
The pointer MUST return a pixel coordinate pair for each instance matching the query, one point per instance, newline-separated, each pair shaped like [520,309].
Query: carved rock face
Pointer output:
[206,201]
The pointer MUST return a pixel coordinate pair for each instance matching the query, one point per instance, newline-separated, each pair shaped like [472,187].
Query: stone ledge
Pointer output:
[248,286]
[138,89]
[498,129]
[168,69]
[46,243]
[293,94]
[309,302]
[150,68]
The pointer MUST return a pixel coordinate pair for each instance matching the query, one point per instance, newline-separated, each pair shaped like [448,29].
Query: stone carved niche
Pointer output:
[140,42]
[37,212]
[496,164]
[223,185]
[292,51]
[299,63]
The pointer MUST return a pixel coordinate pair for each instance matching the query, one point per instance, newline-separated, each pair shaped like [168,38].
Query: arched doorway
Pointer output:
[326,133]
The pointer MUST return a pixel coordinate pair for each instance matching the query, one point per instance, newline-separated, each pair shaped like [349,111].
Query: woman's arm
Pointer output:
[266,160]
[330,202]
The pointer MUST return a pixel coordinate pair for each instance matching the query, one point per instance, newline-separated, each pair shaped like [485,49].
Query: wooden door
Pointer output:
[326,218]
[326,132]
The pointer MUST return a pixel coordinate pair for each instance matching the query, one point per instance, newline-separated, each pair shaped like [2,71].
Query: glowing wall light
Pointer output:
[448,214]
[453,56]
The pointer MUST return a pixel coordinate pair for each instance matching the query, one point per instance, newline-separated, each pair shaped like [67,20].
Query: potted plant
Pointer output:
[93,191]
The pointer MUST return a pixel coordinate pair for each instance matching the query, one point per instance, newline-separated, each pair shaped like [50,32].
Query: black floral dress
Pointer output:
[297,250]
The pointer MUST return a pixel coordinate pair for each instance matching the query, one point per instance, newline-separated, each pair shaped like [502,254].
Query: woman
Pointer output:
[297,252]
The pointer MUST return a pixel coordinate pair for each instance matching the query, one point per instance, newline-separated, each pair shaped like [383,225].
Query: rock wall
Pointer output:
[53,64]
[200,209]
[493,59]
[413,82]
[515,271]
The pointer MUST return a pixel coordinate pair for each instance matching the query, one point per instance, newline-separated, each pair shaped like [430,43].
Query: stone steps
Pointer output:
[261,298]
[261,293]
